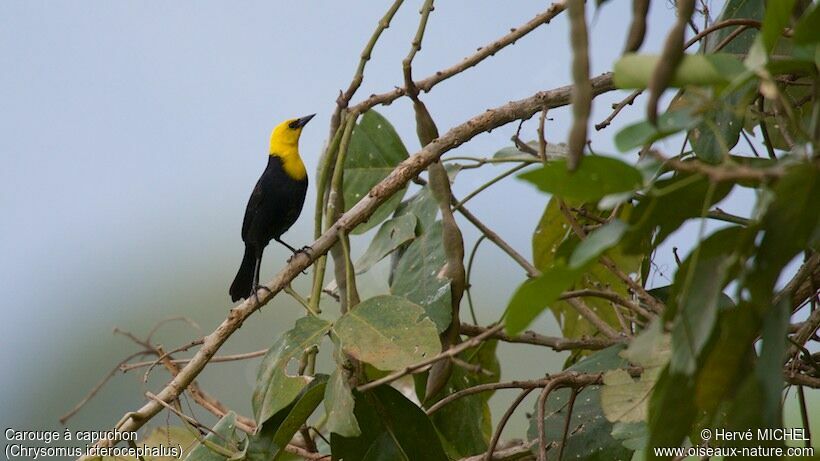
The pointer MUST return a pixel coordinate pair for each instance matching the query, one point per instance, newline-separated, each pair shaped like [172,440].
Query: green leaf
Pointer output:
[624,399]
[772,356]
[719,132]
[597,243]
[219,443]
[696,294]
[642,133]
[416,276]
[535,295]
[374,151]
[595,177]
[788,226]
[589,436]
[669,204]
[634,436]
[388,332]
[339,406]
[552,230]
[635,70]
[423,206]
[165,436]
[393,429]
[465,425]
[553,242]
[391,235]
[269,443]
[275,389]
[775,20]
[807,30]
[727,359]
[673,395]
[736,9]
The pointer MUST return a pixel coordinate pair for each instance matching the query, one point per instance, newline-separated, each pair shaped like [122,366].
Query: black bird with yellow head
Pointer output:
[275,204]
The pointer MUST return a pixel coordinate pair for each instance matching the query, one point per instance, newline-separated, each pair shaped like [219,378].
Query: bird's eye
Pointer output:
[294,124]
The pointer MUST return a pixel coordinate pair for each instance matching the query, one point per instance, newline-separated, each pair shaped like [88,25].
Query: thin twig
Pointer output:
[570,406]
[503,422]
[541,416]
[100,385]
[555,343]
[451,352]
[483,53]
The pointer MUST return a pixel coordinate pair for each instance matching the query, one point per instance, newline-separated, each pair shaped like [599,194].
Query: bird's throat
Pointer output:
[291,163]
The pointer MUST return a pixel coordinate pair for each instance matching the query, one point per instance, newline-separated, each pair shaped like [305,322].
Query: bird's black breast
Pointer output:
[274,205]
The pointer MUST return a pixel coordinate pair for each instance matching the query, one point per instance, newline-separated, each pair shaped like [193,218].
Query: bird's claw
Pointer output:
[306,250]
[256,290]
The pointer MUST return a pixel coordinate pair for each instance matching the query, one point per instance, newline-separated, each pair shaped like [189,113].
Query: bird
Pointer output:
[274,205]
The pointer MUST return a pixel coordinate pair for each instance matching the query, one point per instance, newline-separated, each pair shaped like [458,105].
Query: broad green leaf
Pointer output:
[535,295]
[589,436]
[393,429]
[625,399]
[669,204]
[736,9]
[635,70]
[416,276]
[597,243]
[551,231]
[553,243]
[219,444]
[275,389]
[742,416]
[339,405]
[161,438]
[465,425]
[423,206]
[632,435]
[642,133]
[772,355]
[775,20]
[719,131]
[696,294]
[269,443]
[595,177]
[673,395]
[788,226]
[727,359]
[392,234]
[375,149]
[388,332]
[807,30]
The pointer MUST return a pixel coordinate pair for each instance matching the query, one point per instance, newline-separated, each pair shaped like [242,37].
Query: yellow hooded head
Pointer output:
[284,143]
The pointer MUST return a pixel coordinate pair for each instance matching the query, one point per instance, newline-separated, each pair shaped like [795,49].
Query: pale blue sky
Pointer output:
[132,132]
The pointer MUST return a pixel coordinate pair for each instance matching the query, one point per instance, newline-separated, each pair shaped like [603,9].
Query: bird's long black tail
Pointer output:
[243,282]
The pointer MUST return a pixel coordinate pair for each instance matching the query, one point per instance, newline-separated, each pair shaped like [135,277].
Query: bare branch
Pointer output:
[555,343]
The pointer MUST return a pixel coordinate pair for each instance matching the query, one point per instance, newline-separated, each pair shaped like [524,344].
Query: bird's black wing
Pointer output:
[254,204]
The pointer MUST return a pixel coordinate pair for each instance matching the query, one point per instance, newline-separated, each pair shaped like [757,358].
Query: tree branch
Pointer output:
[396,180]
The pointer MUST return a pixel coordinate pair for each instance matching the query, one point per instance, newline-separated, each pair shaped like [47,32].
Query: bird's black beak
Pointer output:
[304,120]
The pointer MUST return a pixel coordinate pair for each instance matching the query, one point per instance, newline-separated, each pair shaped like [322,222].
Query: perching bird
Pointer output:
[275,204]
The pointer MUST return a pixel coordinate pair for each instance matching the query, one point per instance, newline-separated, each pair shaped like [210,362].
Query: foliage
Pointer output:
[676,359]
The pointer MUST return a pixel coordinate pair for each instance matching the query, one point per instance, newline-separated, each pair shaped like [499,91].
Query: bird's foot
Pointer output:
[256,292]
[306,250]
